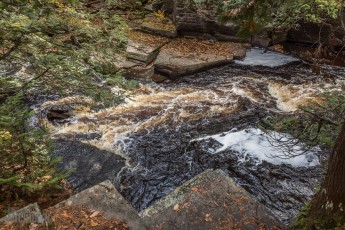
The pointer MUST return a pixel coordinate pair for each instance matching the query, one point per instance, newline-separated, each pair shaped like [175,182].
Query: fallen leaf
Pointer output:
[94,223]
[195,189]
[94,214]
[176,207]
[208,218]
[65,213]
[33,226]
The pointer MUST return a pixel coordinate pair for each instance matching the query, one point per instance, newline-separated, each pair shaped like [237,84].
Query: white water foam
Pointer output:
[255,145]
[258,57]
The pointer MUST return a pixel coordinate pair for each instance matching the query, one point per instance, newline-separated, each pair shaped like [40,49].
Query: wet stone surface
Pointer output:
[90,165]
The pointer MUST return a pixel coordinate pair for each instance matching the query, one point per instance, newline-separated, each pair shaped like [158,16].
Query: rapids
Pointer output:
[167,133]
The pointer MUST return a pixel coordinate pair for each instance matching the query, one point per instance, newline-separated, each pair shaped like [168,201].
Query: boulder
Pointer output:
[137,70]
[28,214]
[174,65]
[211,200]
[269,38]
[105,199]
[141,52]
[186,56]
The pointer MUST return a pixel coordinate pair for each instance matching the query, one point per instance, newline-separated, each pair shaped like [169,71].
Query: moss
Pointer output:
[304,221]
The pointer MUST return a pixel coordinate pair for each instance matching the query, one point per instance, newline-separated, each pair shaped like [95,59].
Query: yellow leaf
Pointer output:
[176,207]
[94,223]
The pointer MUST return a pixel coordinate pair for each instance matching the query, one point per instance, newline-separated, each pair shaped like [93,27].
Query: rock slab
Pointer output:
[211,200]
[106,199]
[141,52]
[185,56]
[28,214]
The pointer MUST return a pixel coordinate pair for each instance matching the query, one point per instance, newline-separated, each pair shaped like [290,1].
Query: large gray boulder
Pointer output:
[107,200]
[212,200]
[28,214]
[141,52]
[186,56]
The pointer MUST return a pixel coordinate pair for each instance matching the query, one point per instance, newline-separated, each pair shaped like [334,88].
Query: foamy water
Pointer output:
[258,146]
[260,57]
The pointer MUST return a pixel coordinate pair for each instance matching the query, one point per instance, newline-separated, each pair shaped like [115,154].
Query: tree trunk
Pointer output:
[328,204]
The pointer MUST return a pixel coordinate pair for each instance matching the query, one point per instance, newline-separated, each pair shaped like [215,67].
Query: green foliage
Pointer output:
[60,48]
[304,222]
[47,47]
[255,16]
[25,163]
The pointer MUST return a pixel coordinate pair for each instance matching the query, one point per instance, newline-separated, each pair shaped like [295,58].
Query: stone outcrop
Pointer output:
[167,6]
[106,199]
[186,56]
[312,33]
[159,25]
[201,19]
[212,200]
[28,214]
[138,70]
[141,52]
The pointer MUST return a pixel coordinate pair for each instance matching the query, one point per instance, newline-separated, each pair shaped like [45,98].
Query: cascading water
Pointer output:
[167,133]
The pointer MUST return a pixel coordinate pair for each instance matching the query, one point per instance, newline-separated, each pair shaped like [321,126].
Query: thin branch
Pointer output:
[17,43]
[320,117]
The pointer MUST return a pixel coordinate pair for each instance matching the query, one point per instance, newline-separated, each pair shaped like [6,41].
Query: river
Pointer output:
[167,133]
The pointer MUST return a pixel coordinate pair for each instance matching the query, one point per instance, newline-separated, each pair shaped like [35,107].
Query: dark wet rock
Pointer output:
[167,6]
[268,38]
[159,78]
[209,201]
[105,198]
[91,165]
[59,113]
[329,33]
[79,136]
[198,20]
[138,70]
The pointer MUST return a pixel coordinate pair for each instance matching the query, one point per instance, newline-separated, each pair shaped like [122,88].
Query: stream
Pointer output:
[167,133]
